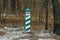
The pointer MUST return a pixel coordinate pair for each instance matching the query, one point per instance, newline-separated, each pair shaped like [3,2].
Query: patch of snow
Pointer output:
[46,39]
[24,39]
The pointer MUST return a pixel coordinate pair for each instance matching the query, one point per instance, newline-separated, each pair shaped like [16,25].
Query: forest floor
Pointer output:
[21,35]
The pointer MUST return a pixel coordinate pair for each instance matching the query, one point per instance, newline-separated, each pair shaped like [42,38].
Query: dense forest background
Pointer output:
[44,13]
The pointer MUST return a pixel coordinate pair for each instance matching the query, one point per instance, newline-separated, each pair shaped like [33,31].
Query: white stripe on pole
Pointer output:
[28,31]
[27,26]
[28,22]
[27,17]
[27,13]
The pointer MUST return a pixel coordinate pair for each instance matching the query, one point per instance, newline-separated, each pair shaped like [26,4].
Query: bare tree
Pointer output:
[45,3]
[0,8]
[5,3]
[13,5]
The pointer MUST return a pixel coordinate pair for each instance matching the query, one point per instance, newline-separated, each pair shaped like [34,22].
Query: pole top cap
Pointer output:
[27,10]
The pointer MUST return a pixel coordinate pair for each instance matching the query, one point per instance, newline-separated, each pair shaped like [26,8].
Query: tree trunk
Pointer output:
[45,3]
[56,17]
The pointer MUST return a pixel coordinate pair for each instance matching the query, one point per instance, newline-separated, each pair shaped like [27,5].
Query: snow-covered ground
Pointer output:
[21,35]
[10,36]
[46,39]
[14,35]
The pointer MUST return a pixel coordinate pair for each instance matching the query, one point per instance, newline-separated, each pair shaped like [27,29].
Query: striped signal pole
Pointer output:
[27,20]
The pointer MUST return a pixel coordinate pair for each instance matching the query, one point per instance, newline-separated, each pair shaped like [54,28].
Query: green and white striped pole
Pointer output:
[27,20]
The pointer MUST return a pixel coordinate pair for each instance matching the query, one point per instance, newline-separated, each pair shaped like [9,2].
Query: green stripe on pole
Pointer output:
[27,24]
[27,19]
[27,29]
